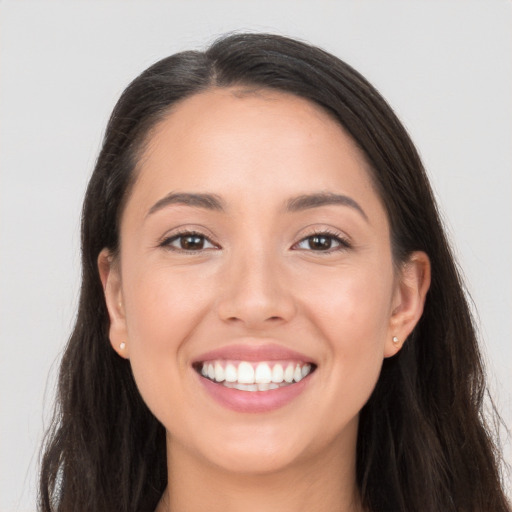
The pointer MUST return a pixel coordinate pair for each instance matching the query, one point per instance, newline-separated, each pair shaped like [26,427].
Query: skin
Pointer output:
[257,278]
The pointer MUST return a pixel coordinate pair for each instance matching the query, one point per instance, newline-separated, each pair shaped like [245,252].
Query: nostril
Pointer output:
[233,319]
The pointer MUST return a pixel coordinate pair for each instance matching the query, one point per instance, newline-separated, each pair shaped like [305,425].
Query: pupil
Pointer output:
[319,242]
[192,242]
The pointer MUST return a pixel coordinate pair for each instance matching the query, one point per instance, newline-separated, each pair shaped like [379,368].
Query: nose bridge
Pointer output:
[254,290]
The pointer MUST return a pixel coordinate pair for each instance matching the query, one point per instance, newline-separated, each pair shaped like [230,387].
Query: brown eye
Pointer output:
[191,242]
[323,242]
[188,242]
[319,242]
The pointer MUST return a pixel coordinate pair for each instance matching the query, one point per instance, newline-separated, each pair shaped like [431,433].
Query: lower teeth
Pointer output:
[253,387]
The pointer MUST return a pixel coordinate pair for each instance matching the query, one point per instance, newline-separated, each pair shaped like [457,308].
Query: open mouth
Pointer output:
[254,376]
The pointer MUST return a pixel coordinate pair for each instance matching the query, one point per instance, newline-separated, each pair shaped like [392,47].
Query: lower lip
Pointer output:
[254,401]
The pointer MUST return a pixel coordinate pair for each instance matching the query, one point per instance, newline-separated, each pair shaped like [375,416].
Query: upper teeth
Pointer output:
[244,372]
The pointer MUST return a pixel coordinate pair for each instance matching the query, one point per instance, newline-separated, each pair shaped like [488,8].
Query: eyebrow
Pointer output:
[307,201]
[207,201]
[294,204]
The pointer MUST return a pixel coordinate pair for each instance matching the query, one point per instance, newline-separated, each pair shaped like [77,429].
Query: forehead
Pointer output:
[224,116]
[251,143]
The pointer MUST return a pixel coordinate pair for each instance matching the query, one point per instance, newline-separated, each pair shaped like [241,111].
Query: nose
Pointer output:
[255,292]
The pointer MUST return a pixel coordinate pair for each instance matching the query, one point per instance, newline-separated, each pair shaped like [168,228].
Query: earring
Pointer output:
[122,345]
[395,340]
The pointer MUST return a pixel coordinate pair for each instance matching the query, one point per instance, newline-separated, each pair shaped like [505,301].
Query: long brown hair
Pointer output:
[423,443]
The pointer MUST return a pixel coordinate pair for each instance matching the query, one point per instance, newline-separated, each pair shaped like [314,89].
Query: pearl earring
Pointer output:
[122,345]
[395,340]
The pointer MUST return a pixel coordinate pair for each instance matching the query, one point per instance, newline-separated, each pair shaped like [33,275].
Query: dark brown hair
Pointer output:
[423,443]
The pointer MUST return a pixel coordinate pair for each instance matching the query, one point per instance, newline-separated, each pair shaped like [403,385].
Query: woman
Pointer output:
[270,316]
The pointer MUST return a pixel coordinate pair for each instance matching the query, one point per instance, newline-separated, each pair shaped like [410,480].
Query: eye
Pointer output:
[323,242]
[188,242]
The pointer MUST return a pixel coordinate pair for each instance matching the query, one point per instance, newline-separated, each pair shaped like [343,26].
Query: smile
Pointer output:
[252,375]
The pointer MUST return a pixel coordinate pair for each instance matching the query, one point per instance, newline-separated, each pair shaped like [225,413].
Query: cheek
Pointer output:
[162,307]
[163,310]
[353,305]
[351,312]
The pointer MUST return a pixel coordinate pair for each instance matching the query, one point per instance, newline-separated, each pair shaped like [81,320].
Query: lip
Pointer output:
[254,401]
[254,352]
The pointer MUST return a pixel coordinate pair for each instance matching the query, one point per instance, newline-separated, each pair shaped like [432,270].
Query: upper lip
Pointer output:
[251,351]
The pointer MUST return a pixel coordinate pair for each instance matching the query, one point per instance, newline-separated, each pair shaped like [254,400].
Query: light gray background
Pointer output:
[446,68]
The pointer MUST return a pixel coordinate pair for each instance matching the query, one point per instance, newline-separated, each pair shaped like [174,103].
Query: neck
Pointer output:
[323,484]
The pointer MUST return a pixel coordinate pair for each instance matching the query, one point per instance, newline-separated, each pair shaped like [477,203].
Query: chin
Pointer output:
[255,460]
[263,449]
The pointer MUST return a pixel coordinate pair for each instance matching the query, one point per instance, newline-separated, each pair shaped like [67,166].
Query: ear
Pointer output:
[412,286]
[111,281]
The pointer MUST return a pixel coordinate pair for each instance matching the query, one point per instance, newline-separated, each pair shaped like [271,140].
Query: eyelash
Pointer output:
[166,242]
[343,243]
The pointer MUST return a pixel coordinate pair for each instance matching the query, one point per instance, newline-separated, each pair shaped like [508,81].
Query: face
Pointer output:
[255,289]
